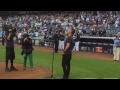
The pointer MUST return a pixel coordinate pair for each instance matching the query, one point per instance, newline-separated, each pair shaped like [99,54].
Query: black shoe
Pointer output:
[24,68]
[13,69]
[32,69]
[6,69]
[65,78]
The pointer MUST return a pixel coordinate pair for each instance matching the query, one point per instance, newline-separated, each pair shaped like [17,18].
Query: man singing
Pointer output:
[67,53]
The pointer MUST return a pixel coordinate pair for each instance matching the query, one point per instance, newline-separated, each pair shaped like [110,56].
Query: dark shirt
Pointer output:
[9,43]
[77,38]
[62,37]
[93,32]
[27,44]
[71,42]
[55,37]
[102,33]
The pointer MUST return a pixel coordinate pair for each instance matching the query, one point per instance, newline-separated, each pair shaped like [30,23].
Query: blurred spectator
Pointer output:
[19,37]
[94,33]
[81,20]
[102,32]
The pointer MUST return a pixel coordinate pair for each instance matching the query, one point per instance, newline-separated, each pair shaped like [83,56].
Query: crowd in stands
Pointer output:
[101,23]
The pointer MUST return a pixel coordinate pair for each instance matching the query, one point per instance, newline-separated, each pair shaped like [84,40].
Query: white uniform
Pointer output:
[61,42]
[76,47]
[116,50]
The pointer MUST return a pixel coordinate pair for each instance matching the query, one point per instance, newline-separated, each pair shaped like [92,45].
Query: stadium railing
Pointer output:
[89,43]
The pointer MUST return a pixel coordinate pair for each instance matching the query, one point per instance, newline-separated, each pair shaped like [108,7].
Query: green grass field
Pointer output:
[81,67]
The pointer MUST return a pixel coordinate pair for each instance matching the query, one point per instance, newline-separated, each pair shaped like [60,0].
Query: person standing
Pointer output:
[56,41]
[67,53]
[77,41]
[19,37]
[61,41]
[27,49]
[116,49]
[10,54]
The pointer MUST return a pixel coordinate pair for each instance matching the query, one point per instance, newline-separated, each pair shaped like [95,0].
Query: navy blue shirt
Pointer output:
[9,43]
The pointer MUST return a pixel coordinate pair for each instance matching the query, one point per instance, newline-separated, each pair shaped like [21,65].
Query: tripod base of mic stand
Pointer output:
[52,77]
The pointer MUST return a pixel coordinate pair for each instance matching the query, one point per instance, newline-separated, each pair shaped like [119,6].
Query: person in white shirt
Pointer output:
[116,23]
[61,41]
[77,41]
[87,19]
[36,34]
[19,37]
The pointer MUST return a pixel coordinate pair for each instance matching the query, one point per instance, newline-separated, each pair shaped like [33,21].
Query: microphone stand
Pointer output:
[53,61]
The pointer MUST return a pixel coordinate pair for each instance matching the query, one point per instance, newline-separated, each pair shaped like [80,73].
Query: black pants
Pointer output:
[10,55]
[56,46]
[66,58]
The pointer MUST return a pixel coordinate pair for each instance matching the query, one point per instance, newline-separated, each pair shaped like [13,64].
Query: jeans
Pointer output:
[66,58]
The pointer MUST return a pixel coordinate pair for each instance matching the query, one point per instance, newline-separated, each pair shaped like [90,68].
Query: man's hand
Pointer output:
[63,53]
[66,48]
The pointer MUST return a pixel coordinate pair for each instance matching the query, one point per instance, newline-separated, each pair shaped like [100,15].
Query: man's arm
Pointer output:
[68,41]
[66,48]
